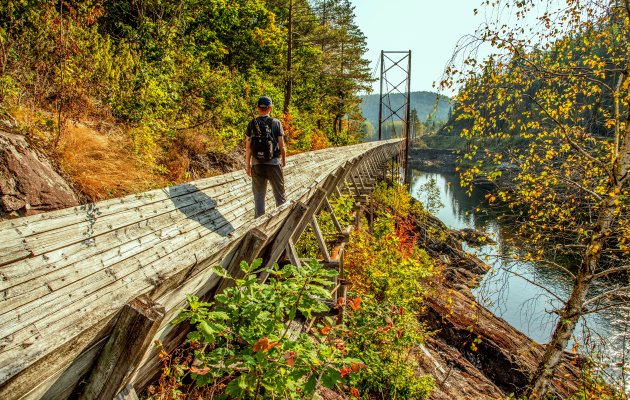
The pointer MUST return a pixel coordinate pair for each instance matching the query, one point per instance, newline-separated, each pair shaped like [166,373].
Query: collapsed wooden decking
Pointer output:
[65,275]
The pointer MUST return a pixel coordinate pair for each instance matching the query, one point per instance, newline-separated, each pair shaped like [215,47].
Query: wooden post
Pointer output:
[332,215]
[292,254]
[359,177]
[320,239]
[355,186]
[132,335]
[315,203]
[247,251]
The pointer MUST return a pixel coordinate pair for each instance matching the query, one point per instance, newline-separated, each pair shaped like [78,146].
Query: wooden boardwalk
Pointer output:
[65,275]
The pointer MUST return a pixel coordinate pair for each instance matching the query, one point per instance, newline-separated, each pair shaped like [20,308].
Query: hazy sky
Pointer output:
[430,29]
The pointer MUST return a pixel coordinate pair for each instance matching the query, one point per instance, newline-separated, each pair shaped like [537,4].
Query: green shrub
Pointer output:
[243,342]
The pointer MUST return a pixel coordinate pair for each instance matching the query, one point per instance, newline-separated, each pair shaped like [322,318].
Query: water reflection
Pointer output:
[522,293]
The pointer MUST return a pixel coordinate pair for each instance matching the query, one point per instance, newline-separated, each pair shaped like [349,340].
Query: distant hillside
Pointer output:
[423,102]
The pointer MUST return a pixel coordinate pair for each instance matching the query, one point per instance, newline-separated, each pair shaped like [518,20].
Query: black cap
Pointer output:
[264,102]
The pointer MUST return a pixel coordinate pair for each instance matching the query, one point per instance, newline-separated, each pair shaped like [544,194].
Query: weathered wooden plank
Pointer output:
[49,284]
[39,222]
[119,270]
[131,337]
[96,217]
[89,231]
[95,303]
[91,225]
[61,277]
[52,375]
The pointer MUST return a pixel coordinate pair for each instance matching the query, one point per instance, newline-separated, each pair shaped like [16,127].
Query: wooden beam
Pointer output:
[281,240]
[292,254]
[332,215]
[132,335]
[247,251]
[313,205]
[320,238]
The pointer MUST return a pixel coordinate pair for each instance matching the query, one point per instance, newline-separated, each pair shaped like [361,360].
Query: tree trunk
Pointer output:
[571,312]
[288,86]
[574,306]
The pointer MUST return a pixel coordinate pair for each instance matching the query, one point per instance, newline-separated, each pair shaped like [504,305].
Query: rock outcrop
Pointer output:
[28,182]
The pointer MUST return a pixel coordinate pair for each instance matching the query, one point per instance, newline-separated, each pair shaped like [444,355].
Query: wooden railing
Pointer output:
[86,291]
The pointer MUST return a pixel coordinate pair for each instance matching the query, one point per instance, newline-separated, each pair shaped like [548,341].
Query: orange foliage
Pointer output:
[290,130]
[185,146]
[292,134]
[405,231]
[319,140]
[264,345]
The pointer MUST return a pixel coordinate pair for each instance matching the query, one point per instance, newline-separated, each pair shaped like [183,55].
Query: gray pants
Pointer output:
[261,173]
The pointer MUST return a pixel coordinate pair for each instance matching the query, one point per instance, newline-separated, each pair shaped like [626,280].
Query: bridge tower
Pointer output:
[395,86]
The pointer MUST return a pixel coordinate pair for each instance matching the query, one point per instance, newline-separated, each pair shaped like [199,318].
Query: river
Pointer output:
[514,290]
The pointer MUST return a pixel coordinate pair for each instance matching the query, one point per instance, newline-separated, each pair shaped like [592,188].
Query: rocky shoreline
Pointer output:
[473,354]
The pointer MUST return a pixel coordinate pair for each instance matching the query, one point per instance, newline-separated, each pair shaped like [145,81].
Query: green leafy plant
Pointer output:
[385,262]
[243,344]
[387,270]
[385,336]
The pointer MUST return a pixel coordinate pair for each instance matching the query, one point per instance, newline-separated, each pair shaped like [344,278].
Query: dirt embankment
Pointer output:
[95,167]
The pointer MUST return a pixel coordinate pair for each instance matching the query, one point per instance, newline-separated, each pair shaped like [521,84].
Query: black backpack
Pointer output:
[262,140]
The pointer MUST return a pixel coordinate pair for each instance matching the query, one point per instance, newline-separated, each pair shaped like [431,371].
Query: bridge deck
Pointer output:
[64,275]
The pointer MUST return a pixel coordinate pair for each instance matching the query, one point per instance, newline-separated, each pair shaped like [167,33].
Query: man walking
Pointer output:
[263,165]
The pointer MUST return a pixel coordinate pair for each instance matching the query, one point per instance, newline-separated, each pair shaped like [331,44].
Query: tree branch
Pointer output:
[620,291]
[577,185]
[556,265]
[607,306]
[611,271]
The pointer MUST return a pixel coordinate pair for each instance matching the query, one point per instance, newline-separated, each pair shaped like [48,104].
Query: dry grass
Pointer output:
[101,165]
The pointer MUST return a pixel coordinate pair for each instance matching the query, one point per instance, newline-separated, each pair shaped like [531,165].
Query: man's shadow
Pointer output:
[200,207]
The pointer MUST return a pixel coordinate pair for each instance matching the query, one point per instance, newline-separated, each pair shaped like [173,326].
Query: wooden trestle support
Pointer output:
[87,291]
